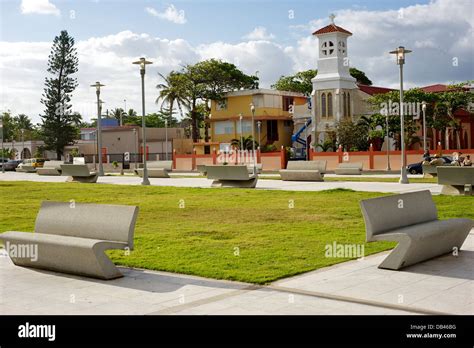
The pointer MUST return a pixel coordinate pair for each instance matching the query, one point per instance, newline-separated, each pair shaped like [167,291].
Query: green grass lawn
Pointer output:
[236,234]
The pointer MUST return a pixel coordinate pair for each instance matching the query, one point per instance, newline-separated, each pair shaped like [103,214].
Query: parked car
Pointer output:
[33,162]
[12,164]
[416,168]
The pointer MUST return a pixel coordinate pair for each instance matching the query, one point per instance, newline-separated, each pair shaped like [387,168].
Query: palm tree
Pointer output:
[170,95]
[247,143]
[119,114]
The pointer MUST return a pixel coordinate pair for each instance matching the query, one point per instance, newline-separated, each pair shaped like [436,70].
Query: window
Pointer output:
[344,104]
[246,125]
[224,127]
[327,48]
[272,130]
[348,105]
[287,101]
[330,105]
[221,104]
[323,105]
[342,47]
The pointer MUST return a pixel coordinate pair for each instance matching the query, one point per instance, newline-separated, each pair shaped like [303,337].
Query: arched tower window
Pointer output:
[330,105]
[348,105]
[323,105]
[344,104]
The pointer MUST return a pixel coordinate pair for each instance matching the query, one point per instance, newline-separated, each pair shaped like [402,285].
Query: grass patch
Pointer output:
[235,234]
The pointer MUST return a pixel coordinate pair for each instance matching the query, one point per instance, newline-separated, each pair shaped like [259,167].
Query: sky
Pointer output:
[267,37]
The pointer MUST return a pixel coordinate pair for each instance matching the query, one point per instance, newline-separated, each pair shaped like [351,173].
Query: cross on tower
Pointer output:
[331,17]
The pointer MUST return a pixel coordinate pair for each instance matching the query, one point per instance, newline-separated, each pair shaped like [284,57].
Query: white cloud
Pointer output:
[259,33]
[437,33]
[39,7]
[171,14]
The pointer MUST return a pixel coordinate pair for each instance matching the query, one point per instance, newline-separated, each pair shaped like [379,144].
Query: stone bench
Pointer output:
[156,169]
[349,168]
[456,180]
[431,171]
[73,238]
[411,220]
[201,168]
[50,168]
[231,176]
[304,171]
[78,173]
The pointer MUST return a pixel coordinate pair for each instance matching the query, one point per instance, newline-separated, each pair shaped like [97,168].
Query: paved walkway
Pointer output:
[441,285]
[262,184]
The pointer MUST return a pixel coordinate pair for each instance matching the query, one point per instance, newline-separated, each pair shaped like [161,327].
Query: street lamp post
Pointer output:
[388,142]
[22,143]
[135,138]
[423,108]
[3,151]
[259,127]
[252,109]
[400,54]
[241,133]
[166,138]
[143,63]
[97,86]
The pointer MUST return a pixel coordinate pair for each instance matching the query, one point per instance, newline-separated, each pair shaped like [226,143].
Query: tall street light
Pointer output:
[3,151]
[400,54]
[241,133]
[388,141]
[143,63]
[259,127]
[252,109]
[166,138]
[22,143]
[97,86]
[423,108]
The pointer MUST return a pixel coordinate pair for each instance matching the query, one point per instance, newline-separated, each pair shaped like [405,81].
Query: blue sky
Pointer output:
[271,37]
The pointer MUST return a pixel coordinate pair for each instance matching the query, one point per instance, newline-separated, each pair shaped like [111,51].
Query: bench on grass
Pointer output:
[349,168]
[73,238]
[304,171]
[156,169]
[456,180]
[78,173]
[431,171]
[231,176]
[50,168]
[201,168]
[411,220]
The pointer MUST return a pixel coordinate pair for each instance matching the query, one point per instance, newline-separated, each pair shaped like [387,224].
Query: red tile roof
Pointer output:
[434,88]
[331,28]
[373,89]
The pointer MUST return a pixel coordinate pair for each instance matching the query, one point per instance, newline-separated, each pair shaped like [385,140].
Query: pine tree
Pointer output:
[59,124]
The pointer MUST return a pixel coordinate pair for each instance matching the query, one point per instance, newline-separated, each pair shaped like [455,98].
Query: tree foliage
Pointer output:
[59,124]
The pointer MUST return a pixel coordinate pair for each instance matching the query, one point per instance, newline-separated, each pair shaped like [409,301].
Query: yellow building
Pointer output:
[273,113]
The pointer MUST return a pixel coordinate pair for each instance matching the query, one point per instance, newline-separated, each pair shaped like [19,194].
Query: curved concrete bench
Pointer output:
[456,180]
[73,238]
[231,176]
[411,220]
[349,168]
[156,169]
[78,173]
[50,168]
[304,171]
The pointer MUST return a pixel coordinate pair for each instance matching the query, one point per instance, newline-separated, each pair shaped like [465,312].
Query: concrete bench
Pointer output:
[411,220]
[456,180]
[73,238]
[201,168]
[349,168]
[50,168]
[78,173]
[304,171]
[156,169]
[431,171]
[231,176]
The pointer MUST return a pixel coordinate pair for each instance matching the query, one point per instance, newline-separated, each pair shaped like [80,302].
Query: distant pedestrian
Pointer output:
[467,161]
